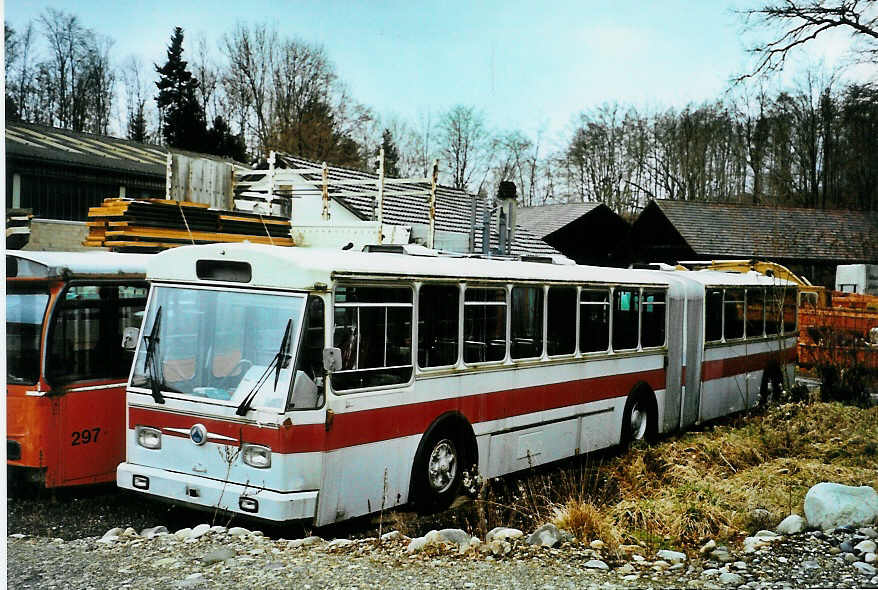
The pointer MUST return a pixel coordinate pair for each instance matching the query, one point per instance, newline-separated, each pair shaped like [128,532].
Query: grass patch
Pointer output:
[721,482]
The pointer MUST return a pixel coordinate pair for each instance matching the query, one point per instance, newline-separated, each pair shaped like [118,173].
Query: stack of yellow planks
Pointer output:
[150,225]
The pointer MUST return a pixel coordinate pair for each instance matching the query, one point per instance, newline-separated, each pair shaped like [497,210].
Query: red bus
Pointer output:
[66,366]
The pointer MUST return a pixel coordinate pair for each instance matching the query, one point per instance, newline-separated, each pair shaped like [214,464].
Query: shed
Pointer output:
[810,242]
[589,233]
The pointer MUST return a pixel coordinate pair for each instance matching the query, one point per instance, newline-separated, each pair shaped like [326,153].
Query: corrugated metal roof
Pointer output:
[546,219]
[729,230]
[84,149]
[453,207]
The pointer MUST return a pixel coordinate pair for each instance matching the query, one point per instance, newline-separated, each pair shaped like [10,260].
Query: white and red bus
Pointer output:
[66,366]
[290,383]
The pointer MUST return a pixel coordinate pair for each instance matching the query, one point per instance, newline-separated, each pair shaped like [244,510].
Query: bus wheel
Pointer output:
[771,388]
[438,471]
[638,421]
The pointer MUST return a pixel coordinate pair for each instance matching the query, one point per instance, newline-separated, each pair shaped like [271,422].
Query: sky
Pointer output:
[526,65]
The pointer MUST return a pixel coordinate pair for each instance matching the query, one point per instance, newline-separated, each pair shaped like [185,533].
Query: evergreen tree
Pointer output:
[221,141]
[182,116]
[137,125]
[391,155]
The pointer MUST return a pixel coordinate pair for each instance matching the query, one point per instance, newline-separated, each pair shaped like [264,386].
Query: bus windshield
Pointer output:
[24,325]
[222,346]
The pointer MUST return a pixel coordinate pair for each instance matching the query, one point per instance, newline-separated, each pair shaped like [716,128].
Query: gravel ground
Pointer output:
[238,558]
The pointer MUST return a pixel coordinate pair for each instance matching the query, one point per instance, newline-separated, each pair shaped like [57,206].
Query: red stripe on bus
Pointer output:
[729,367]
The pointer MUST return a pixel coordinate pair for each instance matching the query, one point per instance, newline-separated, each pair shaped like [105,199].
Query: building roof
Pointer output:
[731,230]
[547,219]
[454,211]
[28,140]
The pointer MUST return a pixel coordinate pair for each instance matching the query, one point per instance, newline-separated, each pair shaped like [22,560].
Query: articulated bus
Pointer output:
[66,367]
[289,383]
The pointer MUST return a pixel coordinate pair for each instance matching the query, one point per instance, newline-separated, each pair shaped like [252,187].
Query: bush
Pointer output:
[846,385]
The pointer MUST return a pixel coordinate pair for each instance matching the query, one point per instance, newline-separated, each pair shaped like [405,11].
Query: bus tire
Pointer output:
[438,470]
[639,422]
[771,387]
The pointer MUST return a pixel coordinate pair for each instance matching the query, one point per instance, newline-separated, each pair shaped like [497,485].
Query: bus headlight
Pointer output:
[148,438]
[256,456]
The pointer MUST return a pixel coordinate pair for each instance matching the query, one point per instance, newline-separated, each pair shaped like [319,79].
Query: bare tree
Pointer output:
[464,143]
[798,22]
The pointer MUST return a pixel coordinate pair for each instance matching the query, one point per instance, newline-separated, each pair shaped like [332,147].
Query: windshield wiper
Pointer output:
[151,363]
[280,361]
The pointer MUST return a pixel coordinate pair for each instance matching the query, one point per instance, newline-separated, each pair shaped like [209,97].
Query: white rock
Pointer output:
[340,543]
[830,505]
[501,533]
[730,579]
[417,544]
[867,546]
[455,536]
[672,556]
[661,564]
[597,544]
[764,534]
[199,531]
[18,536]
[741,565]
[870,557]
[217,529]
[114,532]
[865,568]
[107,540]
[129,532]
[709,573]
[238,531]
[708,547]
[595,564]
[791,525]
[547,535]
[392,536]
[497,547]
[155,531]
[183,533]
[869,532]
[638,557]
[195,576]
[218,555]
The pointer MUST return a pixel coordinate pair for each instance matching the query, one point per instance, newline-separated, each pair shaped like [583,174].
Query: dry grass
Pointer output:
[703,484]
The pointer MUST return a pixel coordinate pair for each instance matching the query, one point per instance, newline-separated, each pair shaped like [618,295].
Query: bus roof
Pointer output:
[300,268]
[44,265]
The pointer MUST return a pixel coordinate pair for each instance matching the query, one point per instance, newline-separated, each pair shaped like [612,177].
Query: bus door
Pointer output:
[87,368]
[675,360]
[694,355]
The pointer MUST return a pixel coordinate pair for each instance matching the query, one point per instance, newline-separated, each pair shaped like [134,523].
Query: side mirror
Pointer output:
[331,359]
[130,336]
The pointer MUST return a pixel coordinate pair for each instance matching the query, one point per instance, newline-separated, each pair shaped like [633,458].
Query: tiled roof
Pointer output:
[546,219]
[723,230]
[29,140]
[453,207]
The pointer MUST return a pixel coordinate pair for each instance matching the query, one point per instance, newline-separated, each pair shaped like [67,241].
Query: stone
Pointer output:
[183,533]
[865,568]
[217,529]
[597,545]
[497,547]
[114,532]
[810,564]
[595,564]
[846,546]
[340,543]
[867,546]
[18,535]
[660,564]
[730,579]
[218,555]
[417,544]
[834,505]
[391,536]
[851,558]
[765,534]
[671,556]
[155,531]
[455,536]
[760,517]
[238,531]
[503,534]
[708,547]
[626,569]
[199,531]
[710,572]
[868,532]
[741,565]
[547,535]
[870,557]
[129,532]
[791,525]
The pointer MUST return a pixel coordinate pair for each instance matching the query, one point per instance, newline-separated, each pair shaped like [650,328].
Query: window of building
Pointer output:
[652,321]
[713,320]
[527,322]
[484,325]
[626,312]
[85,339]
[373,329]
[594,320]
[755,312]
[438,313]
[561,321]
[734,314]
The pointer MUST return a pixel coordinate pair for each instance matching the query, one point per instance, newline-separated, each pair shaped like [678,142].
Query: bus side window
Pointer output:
[594,320]
[484,325]
[626,307]
[713,320]
[561,321]
[438,312]
[652,323]
[307,385]
[733,307]
[373,329]
[789,309]
[773,304]
[527,322]
[755,312]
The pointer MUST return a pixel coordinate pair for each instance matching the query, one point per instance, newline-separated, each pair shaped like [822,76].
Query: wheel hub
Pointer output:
[442,466]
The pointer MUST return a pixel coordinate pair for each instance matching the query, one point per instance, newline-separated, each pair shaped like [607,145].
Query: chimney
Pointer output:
[506,193]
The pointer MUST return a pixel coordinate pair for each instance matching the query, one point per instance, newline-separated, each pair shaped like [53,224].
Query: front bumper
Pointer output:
[202,492]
